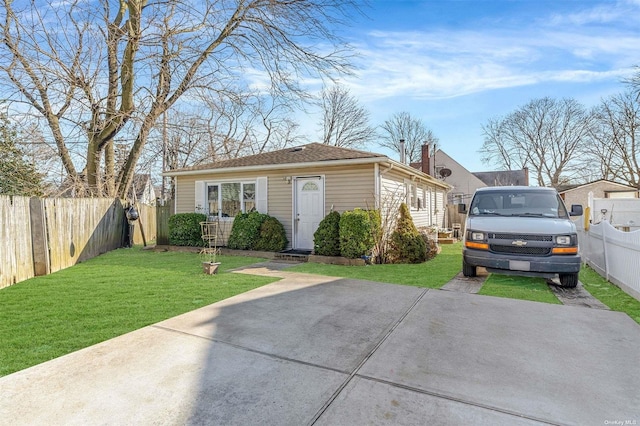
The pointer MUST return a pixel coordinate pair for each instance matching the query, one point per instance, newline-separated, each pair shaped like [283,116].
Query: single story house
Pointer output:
[602,188]
[301,185]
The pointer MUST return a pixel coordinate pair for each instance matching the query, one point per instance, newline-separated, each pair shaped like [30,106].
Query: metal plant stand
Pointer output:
[208,254]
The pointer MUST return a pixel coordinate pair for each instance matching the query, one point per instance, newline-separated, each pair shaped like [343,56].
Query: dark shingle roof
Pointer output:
[310,153]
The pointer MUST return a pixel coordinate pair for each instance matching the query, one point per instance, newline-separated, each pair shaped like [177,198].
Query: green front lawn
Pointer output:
[433,274]
[612,296]
[107,296]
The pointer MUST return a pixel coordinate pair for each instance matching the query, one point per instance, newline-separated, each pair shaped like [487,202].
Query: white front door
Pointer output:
[309,210]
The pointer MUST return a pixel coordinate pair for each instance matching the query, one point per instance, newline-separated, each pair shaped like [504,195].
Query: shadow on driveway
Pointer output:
[321,350]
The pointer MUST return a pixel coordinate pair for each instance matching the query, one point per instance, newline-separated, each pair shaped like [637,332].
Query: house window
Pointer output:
[310,186]
[412,195]
[249,197]
[230,198]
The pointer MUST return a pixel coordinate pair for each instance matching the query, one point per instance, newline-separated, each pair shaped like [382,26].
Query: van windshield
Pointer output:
[518,203]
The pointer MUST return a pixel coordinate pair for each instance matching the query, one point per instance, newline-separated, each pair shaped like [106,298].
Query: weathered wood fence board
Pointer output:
[39,236]
[16,261]
[162,221]
[146,223]
[82,228]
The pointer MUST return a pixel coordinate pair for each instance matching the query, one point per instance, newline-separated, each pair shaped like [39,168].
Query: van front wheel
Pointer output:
[468,270]
[569,280]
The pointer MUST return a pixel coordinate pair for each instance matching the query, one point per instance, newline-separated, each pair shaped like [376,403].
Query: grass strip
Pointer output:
[432,274]
[609,294]
[110,295]
[515,287]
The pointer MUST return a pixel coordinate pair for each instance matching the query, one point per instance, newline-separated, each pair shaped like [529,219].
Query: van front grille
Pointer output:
[531,251]
[523,237]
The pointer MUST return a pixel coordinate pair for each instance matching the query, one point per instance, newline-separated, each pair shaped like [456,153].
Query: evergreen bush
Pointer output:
[272,236]
[245,230]
[356,234]
[257,231]
[406,245]
[184,229]
[326,239]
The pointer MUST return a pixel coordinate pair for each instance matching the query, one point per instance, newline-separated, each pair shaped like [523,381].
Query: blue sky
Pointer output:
[457,63]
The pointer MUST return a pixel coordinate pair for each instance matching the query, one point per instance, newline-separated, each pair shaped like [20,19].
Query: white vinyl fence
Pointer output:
[613,253]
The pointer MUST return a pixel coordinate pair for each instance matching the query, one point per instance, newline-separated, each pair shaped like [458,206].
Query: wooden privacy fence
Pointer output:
[40,236]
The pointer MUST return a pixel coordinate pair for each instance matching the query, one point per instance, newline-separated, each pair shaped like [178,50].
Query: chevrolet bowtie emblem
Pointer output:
[519,243]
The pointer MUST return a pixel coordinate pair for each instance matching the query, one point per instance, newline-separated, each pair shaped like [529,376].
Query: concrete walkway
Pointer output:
[327,351]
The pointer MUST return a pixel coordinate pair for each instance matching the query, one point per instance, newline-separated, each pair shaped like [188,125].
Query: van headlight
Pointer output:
[563,240]
[476,236]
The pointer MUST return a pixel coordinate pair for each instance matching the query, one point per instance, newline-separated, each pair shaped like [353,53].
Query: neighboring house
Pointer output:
[585,193]
[603,188]
[463,182]
[300,185]
[142,190]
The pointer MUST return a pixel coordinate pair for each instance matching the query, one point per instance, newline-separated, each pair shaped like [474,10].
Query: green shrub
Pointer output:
[326,239]
[406,245]
[184,229]
[272,236]
[356,234]
[245,230]
[257,231]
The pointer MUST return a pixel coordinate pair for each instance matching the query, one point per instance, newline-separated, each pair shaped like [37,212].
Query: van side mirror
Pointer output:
[576,210]
[462,208]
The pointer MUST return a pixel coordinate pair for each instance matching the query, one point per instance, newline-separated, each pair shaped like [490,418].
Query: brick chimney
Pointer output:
[426,159]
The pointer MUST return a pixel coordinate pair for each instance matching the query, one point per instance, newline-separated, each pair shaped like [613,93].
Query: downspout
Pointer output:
[377,183]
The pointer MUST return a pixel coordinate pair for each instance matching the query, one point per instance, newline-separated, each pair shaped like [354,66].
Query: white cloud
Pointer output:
[445,64]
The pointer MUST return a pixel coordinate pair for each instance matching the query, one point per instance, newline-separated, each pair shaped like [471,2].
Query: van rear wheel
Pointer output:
[468,270]
[569,280]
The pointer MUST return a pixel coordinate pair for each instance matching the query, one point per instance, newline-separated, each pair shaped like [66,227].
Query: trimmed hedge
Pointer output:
[245,230]
[356,233]
[257,231]
[326,239]
[272,236]
[184,229]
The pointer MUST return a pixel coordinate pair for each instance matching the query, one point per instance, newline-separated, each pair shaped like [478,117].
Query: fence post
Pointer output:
[39,242]
[162,224]
[604,249]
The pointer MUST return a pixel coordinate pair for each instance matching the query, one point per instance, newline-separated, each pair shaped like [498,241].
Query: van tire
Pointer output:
[569,280]
[468,270]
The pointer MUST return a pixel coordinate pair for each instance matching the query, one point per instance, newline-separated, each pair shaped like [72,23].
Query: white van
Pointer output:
[521,230]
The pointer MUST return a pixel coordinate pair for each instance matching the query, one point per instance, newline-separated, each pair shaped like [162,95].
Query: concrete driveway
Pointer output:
[328,351]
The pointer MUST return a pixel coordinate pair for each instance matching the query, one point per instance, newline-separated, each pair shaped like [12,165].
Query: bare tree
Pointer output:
[223,127]
[616,135]
[414,132]
[97,71]
[345,122]
[544,135]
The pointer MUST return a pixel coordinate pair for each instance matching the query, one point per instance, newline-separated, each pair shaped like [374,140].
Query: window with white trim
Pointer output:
[411,194]
[227,199]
